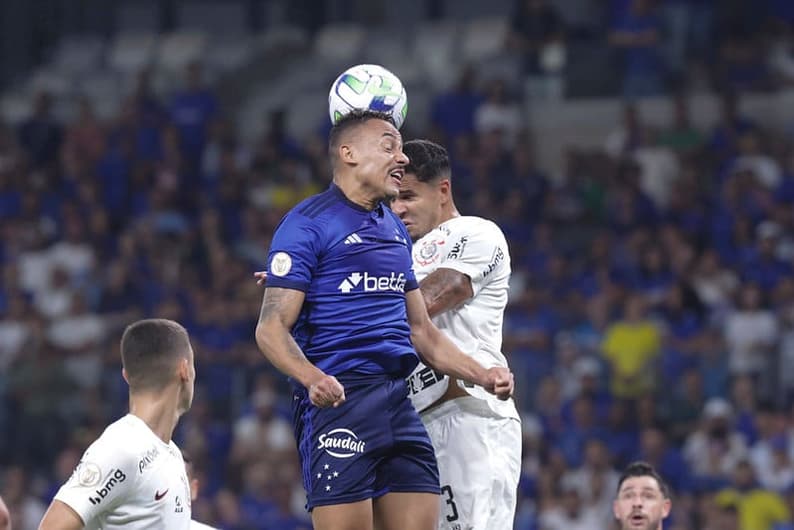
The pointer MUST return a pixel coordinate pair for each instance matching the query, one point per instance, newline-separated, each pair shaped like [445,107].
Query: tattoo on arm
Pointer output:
[445,289]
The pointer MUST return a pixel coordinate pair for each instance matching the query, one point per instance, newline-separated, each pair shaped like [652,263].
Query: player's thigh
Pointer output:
[406,510]
[350,516]
[479,462]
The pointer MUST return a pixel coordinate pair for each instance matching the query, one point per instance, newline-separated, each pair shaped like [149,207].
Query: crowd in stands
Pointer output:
[652,300]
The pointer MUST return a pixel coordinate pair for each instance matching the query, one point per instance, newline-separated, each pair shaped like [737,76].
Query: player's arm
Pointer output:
[445,289]
[5,516]
[280,310]
[60,516]
[441,354]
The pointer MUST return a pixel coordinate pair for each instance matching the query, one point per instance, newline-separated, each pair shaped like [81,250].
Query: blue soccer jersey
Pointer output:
[354,266]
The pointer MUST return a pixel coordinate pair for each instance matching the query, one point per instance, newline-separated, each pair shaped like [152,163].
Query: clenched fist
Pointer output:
[326,391]
[499,381]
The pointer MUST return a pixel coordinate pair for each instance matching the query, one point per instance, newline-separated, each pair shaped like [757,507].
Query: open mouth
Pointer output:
[637,519]
[397,175]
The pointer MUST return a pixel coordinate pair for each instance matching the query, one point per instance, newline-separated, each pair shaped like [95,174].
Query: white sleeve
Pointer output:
[477,251]
[104,478]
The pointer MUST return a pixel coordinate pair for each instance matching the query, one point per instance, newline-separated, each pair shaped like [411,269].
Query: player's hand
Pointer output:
[261,277]
[499,381]
[326,392]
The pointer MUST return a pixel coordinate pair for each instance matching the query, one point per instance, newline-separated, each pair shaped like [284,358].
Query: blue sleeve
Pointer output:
[292,258]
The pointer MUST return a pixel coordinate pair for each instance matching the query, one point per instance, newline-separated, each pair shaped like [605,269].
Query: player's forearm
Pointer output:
[444,290]
[59,516]
[278,346]
[441,354]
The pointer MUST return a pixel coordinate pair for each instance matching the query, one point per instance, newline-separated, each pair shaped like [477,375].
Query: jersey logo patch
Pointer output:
[116,478]
[281,264]
[341,443]
[428,252]
[88,474]
[353,239]
[393,282]
[158,495]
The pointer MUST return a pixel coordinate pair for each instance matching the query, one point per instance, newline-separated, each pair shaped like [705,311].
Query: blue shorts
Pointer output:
[372,444]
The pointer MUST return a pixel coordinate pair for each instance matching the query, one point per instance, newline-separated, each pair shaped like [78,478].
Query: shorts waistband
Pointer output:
[468,404]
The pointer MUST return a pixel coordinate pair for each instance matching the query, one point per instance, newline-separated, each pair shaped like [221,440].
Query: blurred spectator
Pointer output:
[41,135]
[537,33]
[571,513]
[498,112]
[757,508]
[630,346]
[452,112]
[681,135]
[636,33]
[596,480]
[715,448]
[655,448]
[25,509]
[751,331]
[192,110]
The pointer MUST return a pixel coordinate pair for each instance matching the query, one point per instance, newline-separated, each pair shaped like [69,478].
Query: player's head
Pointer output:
[367,146]
[643,498]
[156,355]
[425,196]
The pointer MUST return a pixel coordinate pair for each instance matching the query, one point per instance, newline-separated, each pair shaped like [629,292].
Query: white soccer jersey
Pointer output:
[477,248]
[129,478]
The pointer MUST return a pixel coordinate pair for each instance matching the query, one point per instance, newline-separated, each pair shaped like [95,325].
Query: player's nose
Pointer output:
[402,158]
[398,208]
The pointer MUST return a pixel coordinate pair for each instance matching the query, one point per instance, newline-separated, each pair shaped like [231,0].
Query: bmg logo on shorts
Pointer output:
[117,477]
[341,443]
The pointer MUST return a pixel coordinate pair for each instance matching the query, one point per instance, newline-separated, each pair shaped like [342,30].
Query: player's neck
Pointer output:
[158,411]
[356,193]
[448,212]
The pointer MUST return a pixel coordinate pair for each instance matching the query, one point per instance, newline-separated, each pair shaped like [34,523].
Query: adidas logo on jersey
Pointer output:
[371,284]
[352,239]
[117,478]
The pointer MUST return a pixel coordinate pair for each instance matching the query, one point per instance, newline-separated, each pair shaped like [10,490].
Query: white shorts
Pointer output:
[479,463]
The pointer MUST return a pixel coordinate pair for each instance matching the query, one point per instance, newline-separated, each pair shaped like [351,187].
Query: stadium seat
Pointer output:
[78,54]
[435,44]
[284,36]
[216,17]
[181,48]
[484,38]
[15,106]
[131,52]
[228,53]
[52,81]
[340,42]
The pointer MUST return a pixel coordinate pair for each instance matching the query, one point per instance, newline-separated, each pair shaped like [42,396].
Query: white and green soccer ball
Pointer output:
[368,87]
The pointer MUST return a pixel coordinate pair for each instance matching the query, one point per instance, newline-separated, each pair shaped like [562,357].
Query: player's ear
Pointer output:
[183,369]
[666,507]
[125,376]
[445,188]
[347,154]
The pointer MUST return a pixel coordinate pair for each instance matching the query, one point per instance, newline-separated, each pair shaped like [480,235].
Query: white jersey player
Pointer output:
[463,265]
[133,475]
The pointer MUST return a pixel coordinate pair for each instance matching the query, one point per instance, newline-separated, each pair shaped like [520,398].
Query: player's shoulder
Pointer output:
[129,432]
[313,208]
[474,226]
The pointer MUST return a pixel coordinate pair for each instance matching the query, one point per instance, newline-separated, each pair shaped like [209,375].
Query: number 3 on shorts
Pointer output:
[450,500]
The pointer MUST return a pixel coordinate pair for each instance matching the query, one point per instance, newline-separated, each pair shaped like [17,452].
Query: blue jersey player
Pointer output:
[342,316]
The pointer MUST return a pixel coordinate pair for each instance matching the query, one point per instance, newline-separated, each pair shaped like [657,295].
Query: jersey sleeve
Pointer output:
[477,251]
[104,479]
[293,253]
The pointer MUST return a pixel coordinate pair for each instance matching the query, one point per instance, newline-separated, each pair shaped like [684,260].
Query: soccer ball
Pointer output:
[368,87]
